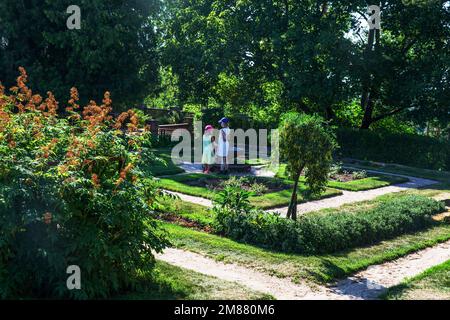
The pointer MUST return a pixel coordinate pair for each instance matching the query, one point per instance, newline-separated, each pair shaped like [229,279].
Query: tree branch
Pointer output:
[388,114]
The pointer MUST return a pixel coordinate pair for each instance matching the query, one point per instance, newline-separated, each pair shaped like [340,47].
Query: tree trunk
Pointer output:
[292,210]
[367,106]
[368,94]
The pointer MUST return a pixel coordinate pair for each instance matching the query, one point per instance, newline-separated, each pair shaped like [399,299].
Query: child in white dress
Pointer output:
[223,145]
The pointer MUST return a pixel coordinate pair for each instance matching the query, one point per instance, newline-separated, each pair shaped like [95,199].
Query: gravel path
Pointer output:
[367,284]
[282,289]
[197,200]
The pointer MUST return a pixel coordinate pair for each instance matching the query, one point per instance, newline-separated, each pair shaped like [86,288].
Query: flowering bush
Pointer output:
[72,193]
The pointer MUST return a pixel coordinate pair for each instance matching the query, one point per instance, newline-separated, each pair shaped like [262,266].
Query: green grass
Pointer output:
[266,201]
[173,283]
[371,182]
[319,268]
[163,166]
[433,283]
[442,176]
[257,162]
[187,210]
[368,183]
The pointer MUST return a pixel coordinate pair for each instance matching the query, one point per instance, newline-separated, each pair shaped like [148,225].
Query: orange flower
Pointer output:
[12,144]
[73,100]
[95,180]
[120,120]
[134,121]
[51,104]
[119,182]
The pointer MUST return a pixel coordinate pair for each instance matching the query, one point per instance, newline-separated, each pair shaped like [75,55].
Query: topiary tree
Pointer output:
[306,144]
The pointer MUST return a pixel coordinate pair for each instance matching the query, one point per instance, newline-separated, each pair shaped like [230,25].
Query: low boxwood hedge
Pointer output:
[330,232]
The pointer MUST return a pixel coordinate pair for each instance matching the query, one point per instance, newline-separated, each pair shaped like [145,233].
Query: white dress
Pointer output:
[223,146]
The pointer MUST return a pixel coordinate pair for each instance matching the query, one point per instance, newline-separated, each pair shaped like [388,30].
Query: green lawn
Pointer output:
[187,210]
[442,176]
[266,201]
[321,268]
[173,283]
[163,165]
[371,182]
[433,284]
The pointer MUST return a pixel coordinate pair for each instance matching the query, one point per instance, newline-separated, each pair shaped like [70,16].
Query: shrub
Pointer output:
[406,149]
[362,174]
[249,182]
[72,193]
[326,233]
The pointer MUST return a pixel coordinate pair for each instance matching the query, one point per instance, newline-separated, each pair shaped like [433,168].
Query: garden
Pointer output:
[351,202]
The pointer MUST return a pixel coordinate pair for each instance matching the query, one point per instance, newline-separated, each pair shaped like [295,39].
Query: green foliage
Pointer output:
[229,207]
[328,232]
[166,96]
[406,149]
[115,49]
[265,58]
[254,187]
[72,193]
[305,143]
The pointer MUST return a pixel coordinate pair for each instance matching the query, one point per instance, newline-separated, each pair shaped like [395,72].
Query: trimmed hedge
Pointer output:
[407,149]
[327,233]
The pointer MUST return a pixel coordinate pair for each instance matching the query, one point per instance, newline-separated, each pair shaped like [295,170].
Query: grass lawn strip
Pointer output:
[164,166]
[433,284]
[373,181]
[442,176]
[202,216]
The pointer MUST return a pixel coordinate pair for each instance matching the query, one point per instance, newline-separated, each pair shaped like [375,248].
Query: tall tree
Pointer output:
[314,53]
[114,50]
[405,70]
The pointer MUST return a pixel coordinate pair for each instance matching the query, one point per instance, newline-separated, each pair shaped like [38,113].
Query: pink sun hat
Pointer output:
[209,127]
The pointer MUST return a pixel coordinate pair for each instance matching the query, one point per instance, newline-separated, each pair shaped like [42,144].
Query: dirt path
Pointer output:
[367,284]
[282,289]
